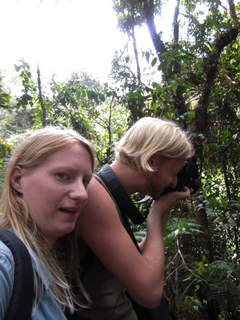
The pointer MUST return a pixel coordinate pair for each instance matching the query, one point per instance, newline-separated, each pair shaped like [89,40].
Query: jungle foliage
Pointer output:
[194,80]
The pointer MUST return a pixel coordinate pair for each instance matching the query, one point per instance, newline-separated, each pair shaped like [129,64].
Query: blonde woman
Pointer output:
[46,187]
[149,157]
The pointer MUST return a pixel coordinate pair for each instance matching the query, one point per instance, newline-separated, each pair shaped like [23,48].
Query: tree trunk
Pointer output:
[206,242]
[41,99]
[136,54]
[149,16]
[211,67]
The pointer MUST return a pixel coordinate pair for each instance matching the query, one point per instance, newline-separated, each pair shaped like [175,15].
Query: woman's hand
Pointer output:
[168,201]
[162,207]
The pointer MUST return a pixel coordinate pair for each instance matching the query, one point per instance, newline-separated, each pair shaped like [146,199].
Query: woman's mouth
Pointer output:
[68,210]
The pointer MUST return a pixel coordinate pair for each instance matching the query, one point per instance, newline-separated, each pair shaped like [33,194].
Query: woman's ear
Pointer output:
[16,179]
[154,161]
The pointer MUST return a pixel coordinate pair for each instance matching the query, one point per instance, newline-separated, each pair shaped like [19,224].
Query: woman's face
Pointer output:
[164,177]
[56,191]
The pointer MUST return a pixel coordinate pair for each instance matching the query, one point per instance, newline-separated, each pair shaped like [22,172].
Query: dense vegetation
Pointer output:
[193,79]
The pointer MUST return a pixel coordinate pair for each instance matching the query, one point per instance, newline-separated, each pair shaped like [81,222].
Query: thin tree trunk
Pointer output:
[136,55]
[44,115]
[179,101]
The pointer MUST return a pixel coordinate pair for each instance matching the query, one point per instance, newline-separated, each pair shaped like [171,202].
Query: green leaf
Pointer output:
[232,222]
[154,61]
[147,54]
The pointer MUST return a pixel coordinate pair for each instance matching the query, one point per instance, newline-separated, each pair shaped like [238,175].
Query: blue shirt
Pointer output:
[47,309]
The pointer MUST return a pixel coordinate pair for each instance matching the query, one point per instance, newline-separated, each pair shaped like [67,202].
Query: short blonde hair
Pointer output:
[149,136]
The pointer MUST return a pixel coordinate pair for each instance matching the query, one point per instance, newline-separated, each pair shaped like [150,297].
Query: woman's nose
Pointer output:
[79,191]
[174,182]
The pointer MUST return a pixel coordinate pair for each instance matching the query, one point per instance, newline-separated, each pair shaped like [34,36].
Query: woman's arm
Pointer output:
[100,227]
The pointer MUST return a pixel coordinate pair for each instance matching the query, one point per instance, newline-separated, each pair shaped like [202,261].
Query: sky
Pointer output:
[63,36]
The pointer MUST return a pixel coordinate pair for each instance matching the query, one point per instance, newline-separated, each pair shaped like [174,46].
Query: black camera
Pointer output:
[188,177]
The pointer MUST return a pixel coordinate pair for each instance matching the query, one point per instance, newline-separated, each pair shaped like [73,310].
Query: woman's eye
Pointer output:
[86,183]
[62,176]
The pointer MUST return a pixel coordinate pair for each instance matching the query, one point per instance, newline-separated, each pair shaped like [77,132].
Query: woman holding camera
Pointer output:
[149,157]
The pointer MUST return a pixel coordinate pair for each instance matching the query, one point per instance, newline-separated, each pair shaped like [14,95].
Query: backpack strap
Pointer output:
[119,194]
[20,306]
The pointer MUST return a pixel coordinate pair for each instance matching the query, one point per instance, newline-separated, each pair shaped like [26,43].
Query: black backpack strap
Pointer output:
[119,194]
[20,306]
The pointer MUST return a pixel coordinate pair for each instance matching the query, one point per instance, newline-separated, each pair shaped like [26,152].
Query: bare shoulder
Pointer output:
[98,199]
[98,213]
[98,196]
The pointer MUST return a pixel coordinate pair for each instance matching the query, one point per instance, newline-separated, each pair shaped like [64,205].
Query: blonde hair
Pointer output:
[149,136]
[60,262]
